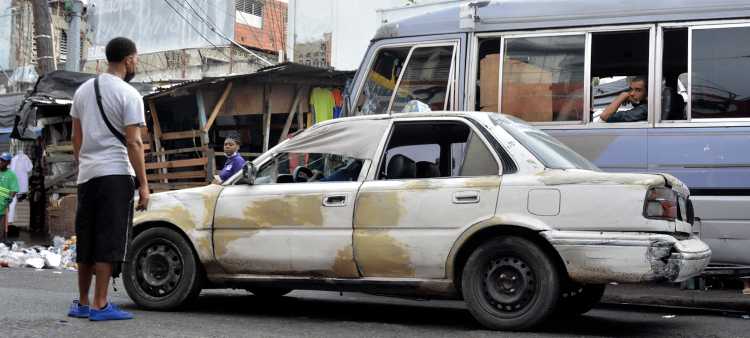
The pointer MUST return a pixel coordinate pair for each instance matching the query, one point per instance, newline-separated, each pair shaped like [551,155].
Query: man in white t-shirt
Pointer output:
[108,160]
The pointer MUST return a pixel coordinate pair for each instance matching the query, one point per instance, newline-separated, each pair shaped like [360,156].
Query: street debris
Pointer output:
[61,255]
[745,317]
[669,316]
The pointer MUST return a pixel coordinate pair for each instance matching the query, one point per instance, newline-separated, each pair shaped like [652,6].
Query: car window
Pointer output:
[324,167]
[431,150]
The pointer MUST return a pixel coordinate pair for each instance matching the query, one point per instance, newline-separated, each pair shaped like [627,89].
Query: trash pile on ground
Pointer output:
[62,255]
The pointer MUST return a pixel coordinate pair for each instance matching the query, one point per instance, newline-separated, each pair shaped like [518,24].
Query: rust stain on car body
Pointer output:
[229,238]
[379,254]
[343,266]
[378,209]
[287,210]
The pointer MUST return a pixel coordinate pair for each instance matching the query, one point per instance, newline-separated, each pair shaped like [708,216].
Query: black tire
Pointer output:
[163,272]
[578,299]
[263,292]
[510,283]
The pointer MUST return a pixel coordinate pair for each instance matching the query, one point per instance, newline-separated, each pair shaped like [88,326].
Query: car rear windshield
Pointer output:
[548,150]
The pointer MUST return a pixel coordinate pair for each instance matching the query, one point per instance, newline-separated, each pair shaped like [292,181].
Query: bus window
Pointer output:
[426,78]
[674,74]
[542,78]
[381,80]
[720,85]
[616,58]
[488,75]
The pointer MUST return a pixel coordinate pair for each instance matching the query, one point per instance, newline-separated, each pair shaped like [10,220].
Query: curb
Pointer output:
[686,301]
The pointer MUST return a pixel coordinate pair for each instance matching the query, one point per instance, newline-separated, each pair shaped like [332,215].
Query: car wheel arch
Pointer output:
[140,228]
[464,247]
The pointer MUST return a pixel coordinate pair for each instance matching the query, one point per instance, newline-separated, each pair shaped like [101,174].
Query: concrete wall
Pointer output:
[336,33]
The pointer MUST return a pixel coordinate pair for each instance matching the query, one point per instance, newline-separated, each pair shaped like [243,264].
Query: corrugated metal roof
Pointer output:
[284,69]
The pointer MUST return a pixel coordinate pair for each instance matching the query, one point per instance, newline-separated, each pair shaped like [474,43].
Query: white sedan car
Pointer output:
[473,206]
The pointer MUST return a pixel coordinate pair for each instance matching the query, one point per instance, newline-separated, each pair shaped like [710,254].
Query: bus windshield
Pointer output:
[548,150]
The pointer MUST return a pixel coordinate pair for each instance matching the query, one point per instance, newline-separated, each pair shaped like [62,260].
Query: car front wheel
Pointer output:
[510,283]
[163,272]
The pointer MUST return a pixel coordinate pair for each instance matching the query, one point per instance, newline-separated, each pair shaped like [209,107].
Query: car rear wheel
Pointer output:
[578,299]
[510,283]
[163,272]
[263,292]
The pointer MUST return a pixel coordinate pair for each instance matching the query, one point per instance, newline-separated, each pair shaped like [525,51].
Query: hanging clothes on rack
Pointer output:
[336,98]
[321,99]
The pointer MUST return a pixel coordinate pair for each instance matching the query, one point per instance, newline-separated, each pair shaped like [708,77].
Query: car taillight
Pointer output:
[661,202]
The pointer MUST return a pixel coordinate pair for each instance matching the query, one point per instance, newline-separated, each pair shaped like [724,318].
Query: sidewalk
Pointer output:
[728,298]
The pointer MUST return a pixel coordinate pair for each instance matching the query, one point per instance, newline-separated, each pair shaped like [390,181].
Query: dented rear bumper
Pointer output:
[627,257]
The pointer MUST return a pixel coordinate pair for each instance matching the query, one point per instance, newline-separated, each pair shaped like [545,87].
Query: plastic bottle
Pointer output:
[9,263]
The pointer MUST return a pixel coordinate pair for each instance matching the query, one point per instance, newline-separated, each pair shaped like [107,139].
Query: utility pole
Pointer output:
[74,36]
[44,46]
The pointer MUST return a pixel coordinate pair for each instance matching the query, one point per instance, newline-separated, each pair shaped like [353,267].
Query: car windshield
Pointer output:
[548,150]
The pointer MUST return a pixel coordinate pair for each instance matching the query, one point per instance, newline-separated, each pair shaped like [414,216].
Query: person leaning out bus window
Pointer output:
[234,161]
[638,96]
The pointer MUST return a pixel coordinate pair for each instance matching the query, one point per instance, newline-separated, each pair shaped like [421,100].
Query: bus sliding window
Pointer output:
[720,80]
[543,78]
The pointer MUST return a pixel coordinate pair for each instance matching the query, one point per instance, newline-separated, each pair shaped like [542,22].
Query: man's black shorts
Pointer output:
[104,219]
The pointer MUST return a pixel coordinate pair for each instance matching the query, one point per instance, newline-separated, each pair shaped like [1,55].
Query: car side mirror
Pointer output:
[249,172]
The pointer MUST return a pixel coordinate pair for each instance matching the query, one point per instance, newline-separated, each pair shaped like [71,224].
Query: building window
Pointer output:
[63,43]
[249,13]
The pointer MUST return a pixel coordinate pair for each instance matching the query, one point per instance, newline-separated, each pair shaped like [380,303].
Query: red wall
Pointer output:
[274,27]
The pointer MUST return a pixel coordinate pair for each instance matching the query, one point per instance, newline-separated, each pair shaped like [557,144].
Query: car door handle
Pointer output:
[471,196]
[334,201]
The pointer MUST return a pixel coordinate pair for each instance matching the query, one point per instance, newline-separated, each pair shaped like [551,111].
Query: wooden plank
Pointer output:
[267,117]
[59,178]
[181,135]
[211,167]
[301,80]
[174,186]
[174,176]
[178,151]
[291,114]
[60,158]
[57,149]
[155,117]
[217,108]
[63,191]
[177,164]
[241,154]
[201,115]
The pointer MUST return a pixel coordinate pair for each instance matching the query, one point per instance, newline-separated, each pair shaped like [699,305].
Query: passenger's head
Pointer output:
[121,52]
[232,144]
[639,88]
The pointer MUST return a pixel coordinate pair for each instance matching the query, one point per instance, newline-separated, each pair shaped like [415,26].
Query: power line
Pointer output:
[196,30]
[197,16]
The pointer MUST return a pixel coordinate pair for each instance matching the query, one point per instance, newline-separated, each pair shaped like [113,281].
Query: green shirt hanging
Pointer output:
[322,100]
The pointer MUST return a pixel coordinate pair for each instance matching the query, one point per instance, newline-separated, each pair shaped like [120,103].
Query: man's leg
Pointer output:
[103,275]
[85,273]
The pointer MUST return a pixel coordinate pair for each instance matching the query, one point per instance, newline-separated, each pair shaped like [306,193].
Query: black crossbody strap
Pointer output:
[104,116]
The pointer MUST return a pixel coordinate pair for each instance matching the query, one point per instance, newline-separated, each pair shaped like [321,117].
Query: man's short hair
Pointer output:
[119,48]
[641,78]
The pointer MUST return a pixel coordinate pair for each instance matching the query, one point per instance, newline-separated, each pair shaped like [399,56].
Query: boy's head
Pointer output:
[5,161]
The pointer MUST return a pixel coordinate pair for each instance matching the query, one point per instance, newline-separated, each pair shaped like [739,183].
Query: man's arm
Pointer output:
[622,99]
[77,138]
[135,154]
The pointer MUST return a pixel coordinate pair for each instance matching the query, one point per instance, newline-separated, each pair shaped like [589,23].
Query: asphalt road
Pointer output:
[34,304]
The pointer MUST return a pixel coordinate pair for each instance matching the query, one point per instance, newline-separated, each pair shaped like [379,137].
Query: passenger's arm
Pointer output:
[622,99]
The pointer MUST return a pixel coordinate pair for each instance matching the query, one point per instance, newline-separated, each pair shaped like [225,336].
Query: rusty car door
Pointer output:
[406,226]
[302,229]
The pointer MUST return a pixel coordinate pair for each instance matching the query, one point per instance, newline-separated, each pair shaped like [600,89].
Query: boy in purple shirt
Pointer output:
[235,161]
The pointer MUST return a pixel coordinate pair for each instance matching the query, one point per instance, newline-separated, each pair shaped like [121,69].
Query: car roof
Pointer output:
[483,116]
[510,15]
